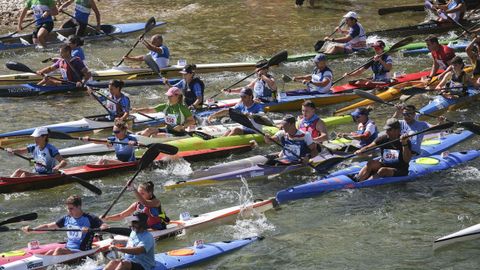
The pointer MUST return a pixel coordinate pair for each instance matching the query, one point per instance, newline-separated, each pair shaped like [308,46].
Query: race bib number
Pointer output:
[390,156]
[171,119]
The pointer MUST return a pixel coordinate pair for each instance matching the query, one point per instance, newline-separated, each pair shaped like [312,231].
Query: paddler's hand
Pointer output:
[227,90]
[19,28]
[26,229]
[132,143]
[377,58]
[112,248]
[267,139]
[179,128]
[327,39]
[165,81]
[85,139]
[78,84]
[10,151]
[360,151]
[404,139]
[85,229]
[45,14]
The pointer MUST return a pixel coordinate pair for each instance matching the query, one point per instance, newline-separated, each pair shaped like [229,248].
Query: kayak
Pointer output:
[57,36]
[467,234]
[244,170]
[94,171]
[430,27]
[470,4]
[174,228]
[441,104]
[456,45]
[88,123]
[432,146]
[190,143]
[418,167]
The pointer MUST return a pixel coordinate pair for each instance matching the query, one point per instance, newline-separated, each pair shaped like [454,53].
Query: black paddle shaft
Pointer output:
[148,26]
[94,28]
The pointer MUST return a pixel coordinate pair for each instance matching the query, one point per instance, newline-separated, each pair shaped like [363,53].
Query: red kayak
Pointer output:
[358,84]
[90,171]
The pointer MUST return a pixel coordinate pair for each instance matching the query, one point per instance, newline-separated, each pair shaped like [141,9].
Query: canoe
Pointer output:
[57,36]
[441,104]
[418,167]
[93,171]
[175,227]
[432,146]
[255,168]
[430,27]
[467,234]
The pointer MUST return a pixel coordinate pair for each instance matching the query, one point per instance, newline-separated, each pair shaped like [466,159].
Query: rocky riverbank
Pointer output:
[9,11]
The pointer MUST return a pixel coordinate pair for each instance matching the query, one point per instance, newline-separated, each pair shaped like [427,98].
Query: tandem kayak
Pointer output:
[57,36]
[418,167]
[175,227]
[93,171]
[430,27]
[441,104]
[467,234]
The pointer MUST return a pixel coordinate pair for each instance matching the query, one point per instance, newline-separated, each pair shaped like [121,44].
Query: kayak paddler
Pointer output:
[473,52]
[192,87]
[454,9]
[177,116]
[82,13]
[441,55]
[46,156]
[146,203]
[71,68]
[246,106]
[309,121]
[140,249]
[456,79]
[320,80]
[124,153]
[381,67]
[395,157]
[410,124]
[76,42]
[43,10]
[75,219]
[264,86]
[366,128]
[159,52]
[120,108]
[355,40]
[293,140]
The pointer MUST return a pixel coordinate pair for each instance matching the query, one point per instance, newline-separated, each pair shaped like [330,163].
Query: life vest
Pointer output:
[361,130]
[188,92]
[379,71]
[456,16]
[318,76]
[155,214]
[310,126]
[262,91]
[360,41]
[295,144]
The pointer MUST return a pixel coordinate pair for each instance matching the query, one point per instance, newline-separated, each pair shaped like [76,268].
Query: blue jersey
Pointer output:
[319,76]
[117,108]
[380,73]
[162,59]
[79,240]
[255,108]
[145,240]
[39,7]
[78,52]
[414,127]
[82,11]
[45,156]
[123,152]
[295,146]
[191,91]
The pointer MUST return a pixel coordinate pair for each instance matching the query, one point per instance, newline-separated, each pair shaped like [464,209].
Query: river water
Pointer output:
[390,227]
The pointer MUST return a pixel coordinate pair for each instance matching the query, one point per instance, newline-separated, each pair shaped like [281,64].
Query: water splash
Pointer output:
[179,167]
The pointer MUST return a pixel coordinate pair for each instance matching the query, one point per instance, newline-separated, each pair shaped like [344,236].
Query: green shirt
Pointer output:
[174,114]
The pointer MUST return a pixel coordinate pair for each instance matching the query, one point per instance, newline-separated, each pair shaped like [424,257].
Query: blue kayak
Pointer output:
[441,103]
[429,147]
[458,46]
[24,41]
[418,167]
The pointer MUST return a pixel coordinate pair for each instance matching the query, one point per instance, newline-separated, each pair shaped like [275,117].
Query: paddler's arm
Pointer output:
[46,70]
[365,148]
[134,58]
[323,83]
[145,110]
[469,50]
[20,19]
[148,203]
[86,75]
[20,151]
[302,78]
[434,69]
[218,114]
[66,4]
[459,7]
[130,250]
[61,163]
[27,229]
[97,14]
[406,146]
[387,66]
[270,82]
[322,128]
[444,80]
[120,216]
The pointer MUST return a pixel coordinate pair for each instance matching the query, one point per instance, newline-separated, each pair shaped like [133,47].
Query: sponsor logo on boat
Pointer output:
[31,265]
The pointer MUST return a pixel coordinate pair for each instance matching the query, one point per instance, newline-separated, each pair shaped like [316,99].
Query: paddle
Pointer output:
[275,60]
[25,217]
[144,162]
[321,42]
[78,180]
[395,47]
[149,25]
[331,162]
[389,10]
[113,230]
[164,148]
[94,28]
[10,35]
[243,120]
[17,66]
[443,15]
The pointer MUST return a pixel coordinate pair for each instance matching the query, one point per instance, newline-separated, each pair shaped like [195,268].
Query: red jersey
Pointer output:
[443,55]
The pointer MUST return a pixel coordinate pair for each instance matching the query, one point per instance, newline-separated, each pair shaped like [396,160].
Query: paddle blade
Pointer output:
[150,24]
[367,95]
[331,162]
[153,151]
[18,67]
[410,91]
[263,120]
[25,217]
[277,58]
[85,184]
[286,78]
[118,230]
[473,127]
[240,118]
[437,127]
[4,229]
[59,135]
[319,45]
[400,44]
[151,63]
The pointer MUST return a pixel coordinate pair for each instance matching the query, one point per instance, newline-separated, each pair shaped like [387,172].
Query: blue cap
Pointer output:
[320,57]
[359,111]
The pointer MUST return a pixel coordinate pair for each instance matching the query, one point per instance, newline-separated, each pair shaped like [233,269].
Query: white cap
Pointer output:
[131,218]
[351,14]
[38,132]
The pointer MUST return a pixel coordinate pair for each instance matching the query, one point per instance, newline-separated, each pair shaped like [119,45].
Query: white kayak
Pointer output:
[467,234]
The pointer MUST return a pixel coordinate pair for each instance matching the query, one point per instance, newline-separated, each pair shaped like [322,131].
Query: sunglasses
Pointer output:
[117,131]
[407,114]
